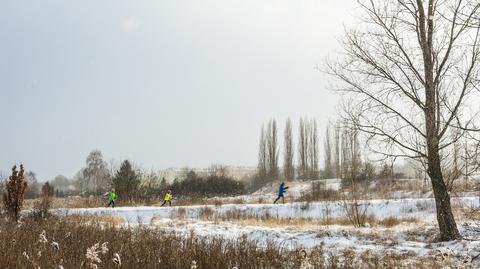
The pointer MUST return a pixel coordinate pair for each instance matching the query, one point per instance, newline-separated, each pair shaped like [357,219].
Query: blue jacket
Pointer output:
[282,189]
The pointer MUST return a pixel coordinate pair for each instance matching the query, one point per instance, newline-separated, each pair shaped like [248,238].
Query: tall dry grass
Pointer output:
[71,243]
[89,243]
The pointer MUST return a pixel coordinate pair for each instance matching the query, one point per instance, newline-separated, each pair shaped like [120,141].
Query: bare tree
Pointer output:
[272,149]
[262,155]
[96,172]
[327,147]
[345,154]
[288,168]
[313,149]
[411,73]
[470,158]
[303,149]
[351,155]
[33,188]
[337,153]
[218,170]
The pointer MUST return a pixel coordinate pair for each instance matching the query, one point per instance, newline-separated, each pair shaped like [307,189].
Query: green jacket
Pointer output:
[112,196]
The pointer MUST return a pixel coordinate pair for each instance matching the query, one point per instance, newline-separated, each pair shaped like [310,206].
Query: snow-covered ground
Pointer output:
[302,224]
[423,209]
[226,221]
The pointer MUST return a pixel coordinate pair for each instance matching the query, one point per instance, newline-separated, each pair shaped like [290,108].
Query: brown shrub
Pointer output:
[217,202]
[13,198]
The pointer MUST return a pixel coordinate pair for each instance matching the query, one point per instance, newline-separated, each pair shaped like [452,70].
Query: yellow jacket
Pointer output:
[168,197]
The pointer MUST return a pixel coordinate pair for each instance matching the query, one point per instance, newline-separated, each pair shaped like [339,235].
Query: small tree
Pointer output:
[13,198]
[126,181]
[385,173]
[43,206]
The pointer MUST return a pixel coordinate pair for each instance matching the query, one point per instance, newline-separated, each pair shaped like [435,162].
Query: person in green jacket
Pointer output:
[112,197]
[168,198]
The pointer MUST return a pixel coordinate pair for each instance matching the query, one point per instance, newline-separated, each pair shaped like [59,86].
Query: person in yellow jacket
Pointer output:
[168,198]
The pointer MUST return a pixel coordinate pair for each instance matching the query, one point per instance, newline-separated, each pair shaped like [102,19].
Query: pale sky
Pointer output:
[165,83]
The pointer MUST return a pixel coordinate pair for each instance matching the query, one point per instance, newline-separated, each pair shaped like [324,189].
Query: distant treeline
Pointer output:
[132,183]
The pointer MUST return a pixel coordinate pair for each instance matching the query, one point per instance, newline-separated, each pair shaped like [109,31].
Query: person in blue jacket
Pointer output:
[281,191]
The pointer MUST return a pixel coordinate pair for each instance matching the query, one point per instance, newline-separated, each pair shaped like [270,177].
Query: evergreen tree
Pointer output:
[126,181]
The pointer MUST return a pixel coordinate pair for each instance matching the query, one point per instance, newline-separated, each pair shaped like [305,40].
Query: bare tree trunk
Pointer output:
[446,221]
[288,169]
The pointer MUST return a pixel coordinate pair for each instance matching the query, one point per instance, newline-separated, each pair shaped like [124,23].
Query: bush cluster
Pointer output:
[213,185]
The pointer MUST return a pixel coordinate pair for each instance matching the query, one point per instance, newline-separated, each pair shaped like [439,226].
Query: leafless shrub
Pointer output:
[13,198]
[42,207]
[356,212]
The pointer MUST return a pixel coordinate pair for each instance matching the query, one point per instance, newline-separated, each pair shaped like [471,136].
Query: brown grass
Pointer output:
[138,248]
[394,221]
[24,247]
[110,221]
[243,218]
[70,202]
[466,212]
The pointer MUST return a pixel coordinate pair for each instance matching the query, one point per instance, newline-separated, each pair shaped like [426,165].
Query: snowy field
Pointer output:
[307,225]
[423,209]
[227,221]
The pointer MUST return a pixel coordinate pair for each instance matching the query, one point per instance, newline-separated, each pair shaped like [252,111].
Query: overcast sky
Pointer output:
[163,83]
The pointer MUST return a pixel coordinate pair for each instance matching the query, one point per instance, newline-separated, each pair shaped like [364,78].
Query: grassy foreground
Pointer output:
[76,242]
